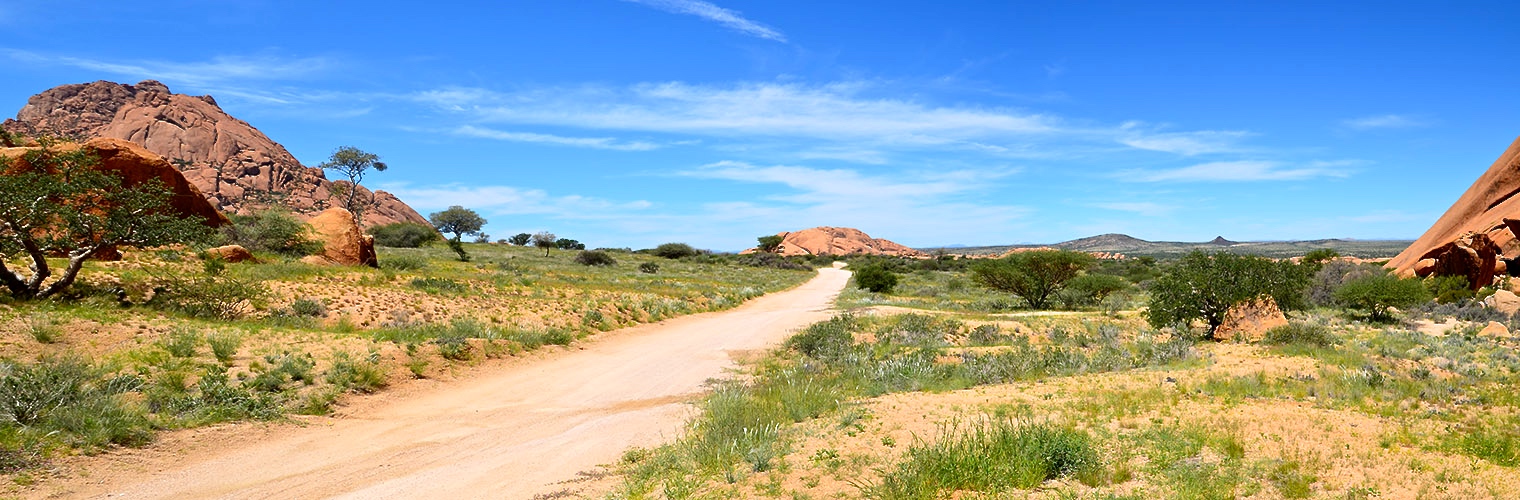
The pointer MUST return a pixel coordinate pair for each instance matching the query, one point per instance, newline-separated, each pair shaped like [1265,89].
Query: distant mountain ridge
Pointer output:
[1134,247]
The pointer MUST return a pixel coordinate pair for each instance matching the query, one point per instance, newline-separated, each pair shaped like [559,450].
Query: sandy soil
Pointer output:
[512,432]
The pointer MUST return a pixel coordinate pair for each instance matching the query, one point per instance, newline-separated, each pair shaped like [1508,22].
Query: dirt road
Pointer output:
[509,433]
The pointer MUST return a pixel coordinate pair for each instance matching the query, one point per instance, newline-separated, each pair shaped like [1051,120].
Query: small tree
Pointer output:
[403,234]
[520,239]
[1204,286]
[459,221]
[1376,294]
[1034,275]
[544,240]
[353,163]
[770,243]
[675,250]
[53,201]
[275,231]
[1091,288]
[569,244]
[875,278]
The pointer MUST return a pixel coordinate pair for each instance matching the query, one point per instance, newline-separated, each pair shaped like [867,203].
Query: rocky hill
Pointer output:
[840,241]
[1121,244]
[1479,236]
[236,166]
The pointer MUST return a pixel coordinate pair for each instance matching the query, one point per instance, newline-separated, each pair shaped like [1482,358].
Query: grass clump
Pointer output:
[404,262]
[224,345]
[440,286]
[990,457]
[351,374]
[181,342]
[64,401]
[42,328]
[1301,334]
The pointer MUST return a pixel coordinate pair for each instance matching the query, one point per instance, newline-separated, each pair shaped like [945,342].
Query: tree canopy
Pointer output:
[770,243]
[1036,275]
[353,163]
[54,202]
[1205,285]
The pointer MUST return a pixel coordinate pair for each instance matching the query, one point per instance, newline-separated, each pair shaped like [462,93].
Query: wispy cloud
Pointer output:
[728,18]
[1138,135]
[217,70]
[1382,121]
[580,142]
[1145,208]
[503,200]
[841,111]
[1238,171]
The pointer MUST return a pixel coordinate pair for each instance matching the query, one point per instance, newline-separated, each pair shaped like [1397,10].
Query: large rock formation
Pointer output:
[136,165]
[839,241]
[235,166]
[1477,237]
[342,241]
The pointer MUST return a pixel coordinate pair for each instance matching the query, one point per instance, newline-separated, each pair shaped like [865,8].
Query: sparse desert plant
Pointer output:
[990,458]
[674,251]
[279,370]
[224,344]
[404,262]
[308,307]
[875,278]
[42,327]
[181,342]
[351,374]
[439,285]
[595,258]
[403,235]
[649,268]
[214,297]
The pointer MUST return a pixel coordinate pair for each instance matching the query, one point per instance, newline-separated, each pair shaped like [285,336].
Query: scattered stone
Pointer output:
[1503,301]
[1494,329]
[1250,320]
[231,254]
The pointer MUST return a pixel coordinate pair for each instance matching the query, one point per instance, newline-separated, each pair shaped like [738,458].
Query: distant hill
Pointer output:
[1136,247]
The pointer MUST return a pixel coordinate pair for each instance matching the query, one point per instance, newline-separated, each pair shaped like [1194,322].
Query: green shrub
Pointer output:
[404,262]
[1205,285]
[595,258]
[824,338]
[65,400]
[440,286]
[181,342]
[224,344]
[875,278]
[1378,293]
[770,260]
[649,268]
[1300,333]
[991,458]
[1449,289]
[274,231]
[308,307]
[356,375]
[675,251]
[212,297]
[404,235]
[453,345]
[43,328]
[282,369]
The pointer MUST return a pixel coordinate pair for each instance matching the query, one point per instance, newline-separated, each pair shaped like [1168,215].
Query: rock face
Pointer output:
[343,243]
[236,167]
[1503,301]
[136,165]
[1250,320]
[1477,237]
[839,241]
[231,254]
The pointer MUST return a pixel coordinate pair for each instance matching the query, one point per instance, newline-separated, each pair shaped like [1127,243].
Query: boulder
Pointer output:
[1477,234]
[235,166]
[839,241]
[1494,329]
[1250,320]
[1503,301]
[230,253]
[343,243]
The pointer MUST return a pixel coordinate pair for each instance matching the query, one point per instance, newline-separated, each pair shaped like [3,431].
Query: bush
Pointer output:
[772,261]
[1376,294]
[649,268]
[824,338]
[595,258]
[356,375]
[876,279]
[1204,286]
[1091,288]
[675,251]
[273,231]
[212,297]
[403,235]
[1300,333]
[992,458]
[1449,289]
[1331,276]
[308,307]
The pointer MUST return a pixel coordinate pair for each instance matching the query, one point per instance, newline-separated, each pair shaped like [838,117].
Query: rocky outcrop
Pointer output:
[136,165]
[1250,320]
[1503,301]
[839,241]
[236,167]
[342,241]
[1477,236]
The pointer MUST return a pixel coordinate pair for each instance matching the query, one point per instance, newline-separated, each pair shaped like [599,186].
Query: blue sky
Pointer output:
[637,122]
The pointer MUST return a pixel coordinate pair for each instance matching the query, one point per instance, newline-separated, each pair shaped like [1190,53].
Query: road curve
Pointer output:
[506,433]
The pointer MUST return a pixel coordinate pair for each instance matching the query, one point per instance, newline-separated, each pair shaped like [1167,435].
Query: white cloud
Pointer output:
[221,69]
[1236,171]
[729,18]
[1145,208]
[582,142]
[1136,135]
[503,200]
[838,111]
[1382,121]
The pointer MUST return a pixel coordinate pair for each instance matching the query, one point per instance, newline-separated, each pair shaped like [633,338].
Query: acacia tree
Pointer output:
[53,201]
[1036,275]
[520,239]
[544,240]
[1205,285]
[353,163]
[459,221]
[770,243]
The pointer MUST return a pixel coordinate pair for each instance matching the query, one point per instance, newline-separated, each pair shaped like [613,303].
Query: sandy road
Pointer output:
[510,433]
